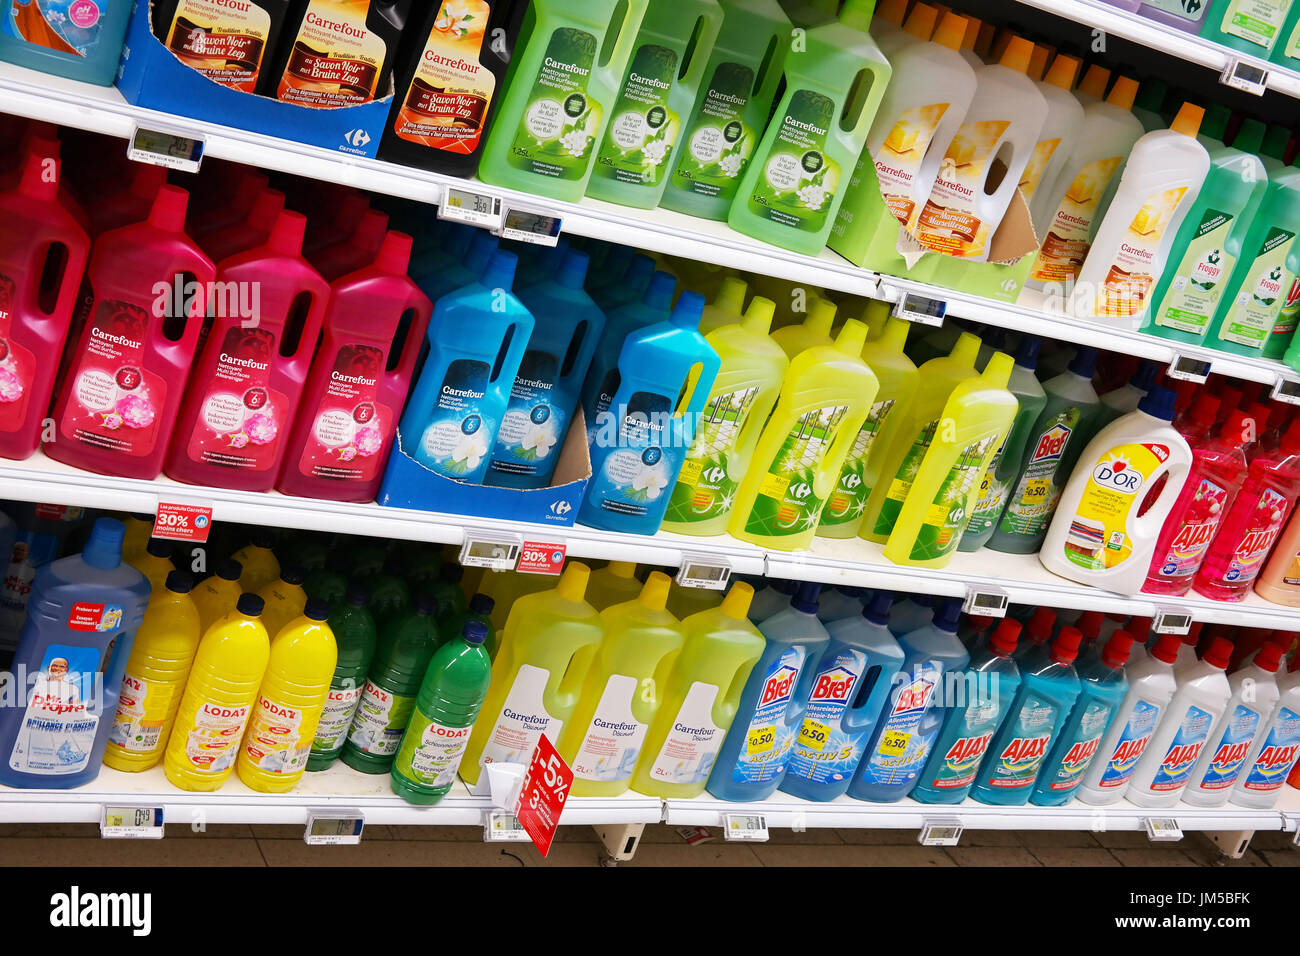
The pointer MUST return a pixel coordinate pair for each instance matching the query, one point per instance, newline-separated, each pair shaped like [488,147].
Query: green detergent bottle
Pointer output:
[1209,241]
[1247,26]
[793,187]
[731,109]
[356,637]
[560,92]
[1286,52]
[641,139]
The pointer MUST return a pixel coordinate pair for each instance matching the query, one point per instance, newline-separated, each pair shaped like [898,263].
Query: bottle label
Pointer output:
[1136,265]
[705,488]
[1256,21]
[1184,750]
[848,500]
[335,60]
[642,128]
[1034,501]
[1278,755]
[903,746]
[455,440]
[988,507]
[561,120]
[431,753]
[1262,529]
[1042,154]
[1231,751]
[720,141]
[1131,745]
[380,721]
[945,519]
[1098,535]
[71,27]
[948,222]
[1190,10]
[57,732]
[901,484]
[350,430]
[612,743]
[223,41]
[522,721]
[768,736]
[1070,229]
[1193,296]
[242,417]
[17,364]
[691,745]
[274,741]
[1196,530]
[1255,315]
[213,742]
[447,102]
[336,718]
[823,751]
[141,706]
[962,759]
[1017,766]
[115,401]
[787,501]
[1291,50]
[1093,723]
[651,444]
[798,182]
[899,157]
[533,425]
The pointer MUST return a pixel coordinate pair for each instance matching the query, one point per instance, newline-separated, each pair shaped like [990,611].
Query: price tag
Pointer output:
[543,793]
[1163,829]
[940,833]
[131,823]
[704,572]
[532,227]
[919,308]
[487,550]
[538,557]
[1245,76]
[477,209]
[181,522]
[503,827]
[333,827]
[1286,390]
[746,827]
[986,602]
[1189,369]
[1171,621]
[159,148]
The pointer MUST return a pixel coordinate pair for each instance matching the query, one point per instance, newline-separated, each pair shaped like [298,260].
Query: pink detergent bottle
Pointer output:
[1253,523]
[1218,470]
[129,205]
[118,401]
[334,223]
[359,380]
[355,252]
[42,139]
[43,252]
[247,233]
[223,195]
[242,397]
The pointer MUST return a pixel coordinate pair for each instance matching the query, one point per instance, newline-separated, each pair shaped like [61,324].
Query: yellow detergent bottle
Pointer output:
[155,562]
[814,330]
[974,422]
[884,428]
[505,588]
[936,380]
[744,392]
[304,654]
[684,602]
[700,698]
[824,401]
[284,599]
[727,305]
[613,584]
[155,676]
[218,699]
[877,316]
[258,563]
[217,594]
[139,529]
[621,690]
[548,643]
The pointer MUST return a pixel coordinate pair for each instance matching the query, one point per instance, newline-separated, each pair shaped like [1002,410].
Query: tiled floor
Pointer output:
[78,844]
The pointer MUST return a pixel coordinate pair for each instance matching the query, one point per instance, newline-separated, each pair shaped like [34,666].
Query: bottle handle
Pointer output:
[418,301]
[873,707]
[1177,477]
[807,674]
[837,450]
[69,284]
[726,707]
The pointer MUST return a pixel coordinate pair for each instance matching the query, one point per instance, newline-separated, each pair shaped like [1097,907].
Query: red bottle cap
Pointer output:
[395,254]
[148,179]
[1277,415]
[1066,646]
[1090,625]
[269,205]
[1229,400]
[1003,641]
[1166,648]
[287,233]
[1219,654]
[1205,410]
[1039,627]
[1239,428]
[168,212]
[1269,658]
[37,181]
[1140,628]
[1118,649]
[1291,437]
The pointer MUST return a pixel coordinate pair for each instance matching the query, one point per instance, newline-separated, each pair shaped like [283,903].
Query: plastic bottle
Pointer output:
[1286,51]
[685,601]
[355,638]
[1273,755]
[613,584]
[1061,129]
[843,601]
[651,305]
[1253,27]
[727,307]
[355,251]
[156,562]
[364,35]
[257,562]
[1147,105]
[216,595]
[283,599]
[1092,88]
[468,255]
[1125,398]
[80,41]
[771,599]
[231,45]
[218,699]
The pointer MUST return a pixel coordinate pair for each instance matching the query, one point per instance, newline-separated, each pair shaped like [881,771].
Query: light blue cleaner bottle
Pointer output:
[772,599]
[752,761]
[74,38]
[849,688]
[654,305]
[458,273]
[550,374]
[628,287]
[639,438]
[903,737]
[1102,688]
[913,612]
[82,616]
[477,338]
[609,262]
[842,601]
[1048,689]
[988,687]
[539,263]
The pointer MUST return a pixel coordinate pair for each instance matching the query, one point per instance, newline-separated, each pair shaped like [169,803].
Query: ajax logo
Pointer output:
[1118,475]
[1128,753]
[1275,760]
[1079,755]
[1024,753]
[1229,757]
[966,752]
[1180,758]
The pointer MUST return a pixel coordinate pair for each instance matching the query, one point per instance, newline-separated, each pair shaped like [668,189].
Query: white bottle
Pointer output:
[1274,755]
[967,51]
[923,107]
[1097,536]
[1151,686]
[886,25]
[1065,210]
[1239,732]
[1165,769]
[1004,121]
[1187,653]
[1161,180]
[1092,88]
[1059,137]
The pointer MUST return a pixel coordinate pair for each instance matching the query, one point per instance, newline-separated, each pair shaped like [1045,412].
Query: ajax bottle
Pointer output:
[283,599]
[82,42]
[216,595]
[355,638]
[1273,755]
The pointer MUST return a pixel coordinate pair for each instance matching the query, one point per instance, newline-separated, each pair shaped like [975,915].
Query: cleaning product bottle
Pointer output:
[257,562]
[1125,398]
[550,376]
[613,584]
[970,723]
[338,53]
[1101,534]
[156,562]
[477,338]
[230,44]
[842,601]
[1092,88]
[771,599]
[283,599]
[468,255]
[1061,129]
[1286,51]
[155,677]
[1160,182]
[1279,581]
[685,601]
[727,307]
[743,395]
[1188,17]
[242,235]
[139,529]
[1273,755]
[216,595]
[652,304]
[82,41]
[559,95]
[218,699]
[700,698]
[755,754]
[731,109]
[853,678]
[355,638]
[1148,104]
[1253,27]
[126,374]
[814,330]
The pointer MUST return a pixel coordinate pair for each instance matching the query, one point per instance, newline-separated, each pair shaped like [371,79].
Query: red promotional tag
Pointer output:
[542,794]
[182,522]
[537,557]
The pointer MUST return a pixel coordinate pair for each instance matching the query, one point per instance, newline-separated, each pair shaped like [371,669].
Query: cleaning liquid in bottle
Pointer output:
[1253,27]
[1286,51]
[727,307]
[283,599]
[239,236]
[1060,133]
[338,53]
[231,44]
[613,584]
[217,595]
[771,599]
[258,563]
[1273,755]
[355,638]
[82,41]
[156,562]
[814,330]
[355,251]
[653,304]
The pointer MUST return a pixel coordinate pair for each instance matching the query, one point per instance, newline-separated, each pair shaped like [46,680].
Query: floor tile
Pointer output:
[991,855]
[702,854]
[819,856]
[96,852]
[894,837]
[1280,857]
[1149,856]
[990,838]
[1074,856]
[1052,839]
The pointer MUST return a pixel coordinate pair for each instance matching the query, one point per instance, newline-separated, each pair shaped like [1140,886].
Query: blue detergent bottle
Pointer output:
[539,263]
[639,438]
[440,250]
[627,287]
[74,38]
[82,616]
[913,612]
[1048,689]
[477,339]
[459,272]
[1102,689]
[843,601]
[609,264]
[654,305]
[901,742]
[849,687]
[568,326]
[988,687]
[753,758]
[772,599]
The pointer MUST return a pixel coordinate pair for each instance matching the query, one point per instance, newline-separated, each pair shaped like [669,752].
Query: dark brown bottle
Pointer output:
[231,42]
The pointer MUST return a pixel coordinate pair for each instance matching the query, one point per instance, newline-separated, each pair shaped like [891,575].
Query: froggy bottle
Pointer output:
[338,53]
[373,328]
[232,44]
[82,41]
[126,373]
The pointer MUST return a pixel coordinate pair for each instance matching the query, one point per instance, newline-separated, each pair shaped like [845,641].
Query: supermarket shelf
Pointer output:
[1157,36]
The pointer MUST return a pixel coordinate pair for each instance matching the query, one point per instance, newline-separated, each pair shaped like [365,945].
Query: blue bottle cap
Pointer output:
[783,585]
[292,574]
[805,597]
[316,609]
[638,272]
[104,549]
[1145,376]
[1027,353]
[358,596]
[474,632]
[249,605]
[946,618]
[229,569]
[481,249]
[181,582]
[660,294]
[1159,403]
[573,271]
[500,272]
[877,612]
[1084,362]
[688,311]
[481,604]
[426,603]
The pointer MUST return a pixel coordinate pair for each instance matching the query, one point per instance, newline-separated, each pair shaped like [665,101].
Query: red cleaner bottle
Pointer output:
[359,380]
[242,398]
[247,233]
[149,285]
[127,205]
[355,252]
[43,254]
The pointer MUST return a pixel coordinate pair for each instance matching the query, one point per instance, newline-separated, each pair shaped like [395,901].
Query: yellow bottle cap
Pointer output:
[1094,81]
[1064,71]
[852,337]
[920,22]
[1188,120]
[1016,55]
[758,317]
[895,334]
[622,569]
[876,316]
[967,347]
[998,372]
[1038,61]
[655,593]
[736,604]
[892,11]
[973,25]
[821,316]
[573,582]
[984,44]
[731,294]
[1123,92]
[951,31]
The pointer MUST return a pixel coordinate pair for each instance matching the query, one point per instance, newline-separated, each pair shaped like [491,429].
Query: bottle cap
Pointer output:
[736,603]
[1038,58]
[1123,93]
[1151,95]
[41,182]
[972,34]
[228,569]
[1090,625]
[1145,376]
[659,296]
[266,208]
[181,582]
[481,249]
[394,255]
[1040,625]
[1005,637]
[482,604]
[572,585]
[892,11]
[249,605]
[316,609]
[1084,362]
[821,316]
[782,585]
[358,595]
[951,31]
[1276,140]
[1166,648]
[805,597]
[731,295]
[1268,658]
[622,569]
[984,43]
[474,632]
[688,311]
[160,548]
[1191,638]
[1066,646]
[920,22]
[1139,628]
[168,211]
[288,232]
[500,273]
[877,612]
[1215,123]
[852,337]
[966,348]
[1219,654]
[426,603]
[1158,403]
[1094,81]
[261,538]
[946,618]
[1016,55]
[654,593]
[451,573]
[573,270]
[1188,120]
[1118,649]
[292,574]
[1205,411]
[758,317]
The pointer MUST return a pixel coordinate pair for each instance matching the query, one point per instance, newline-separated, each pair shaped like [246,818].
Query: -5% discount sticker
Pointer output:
[542,794]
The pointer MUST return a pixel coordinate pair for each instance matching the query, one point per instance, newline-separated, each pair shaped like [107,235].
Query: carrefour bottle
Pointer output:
[613,584]
[355,637]
[652,304]
[1253,27]
[1273,755]
[815,329]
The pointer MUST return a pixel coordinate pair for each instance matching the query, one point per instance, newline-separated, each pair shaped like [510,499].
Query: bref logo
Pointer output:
[966,752]
[1052,442]
[1128,753]
[780,685]
[915,696]
[1023,752]
[1274,759]
[1180,758]
[1229,757]
[834,684]
[1078,756]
